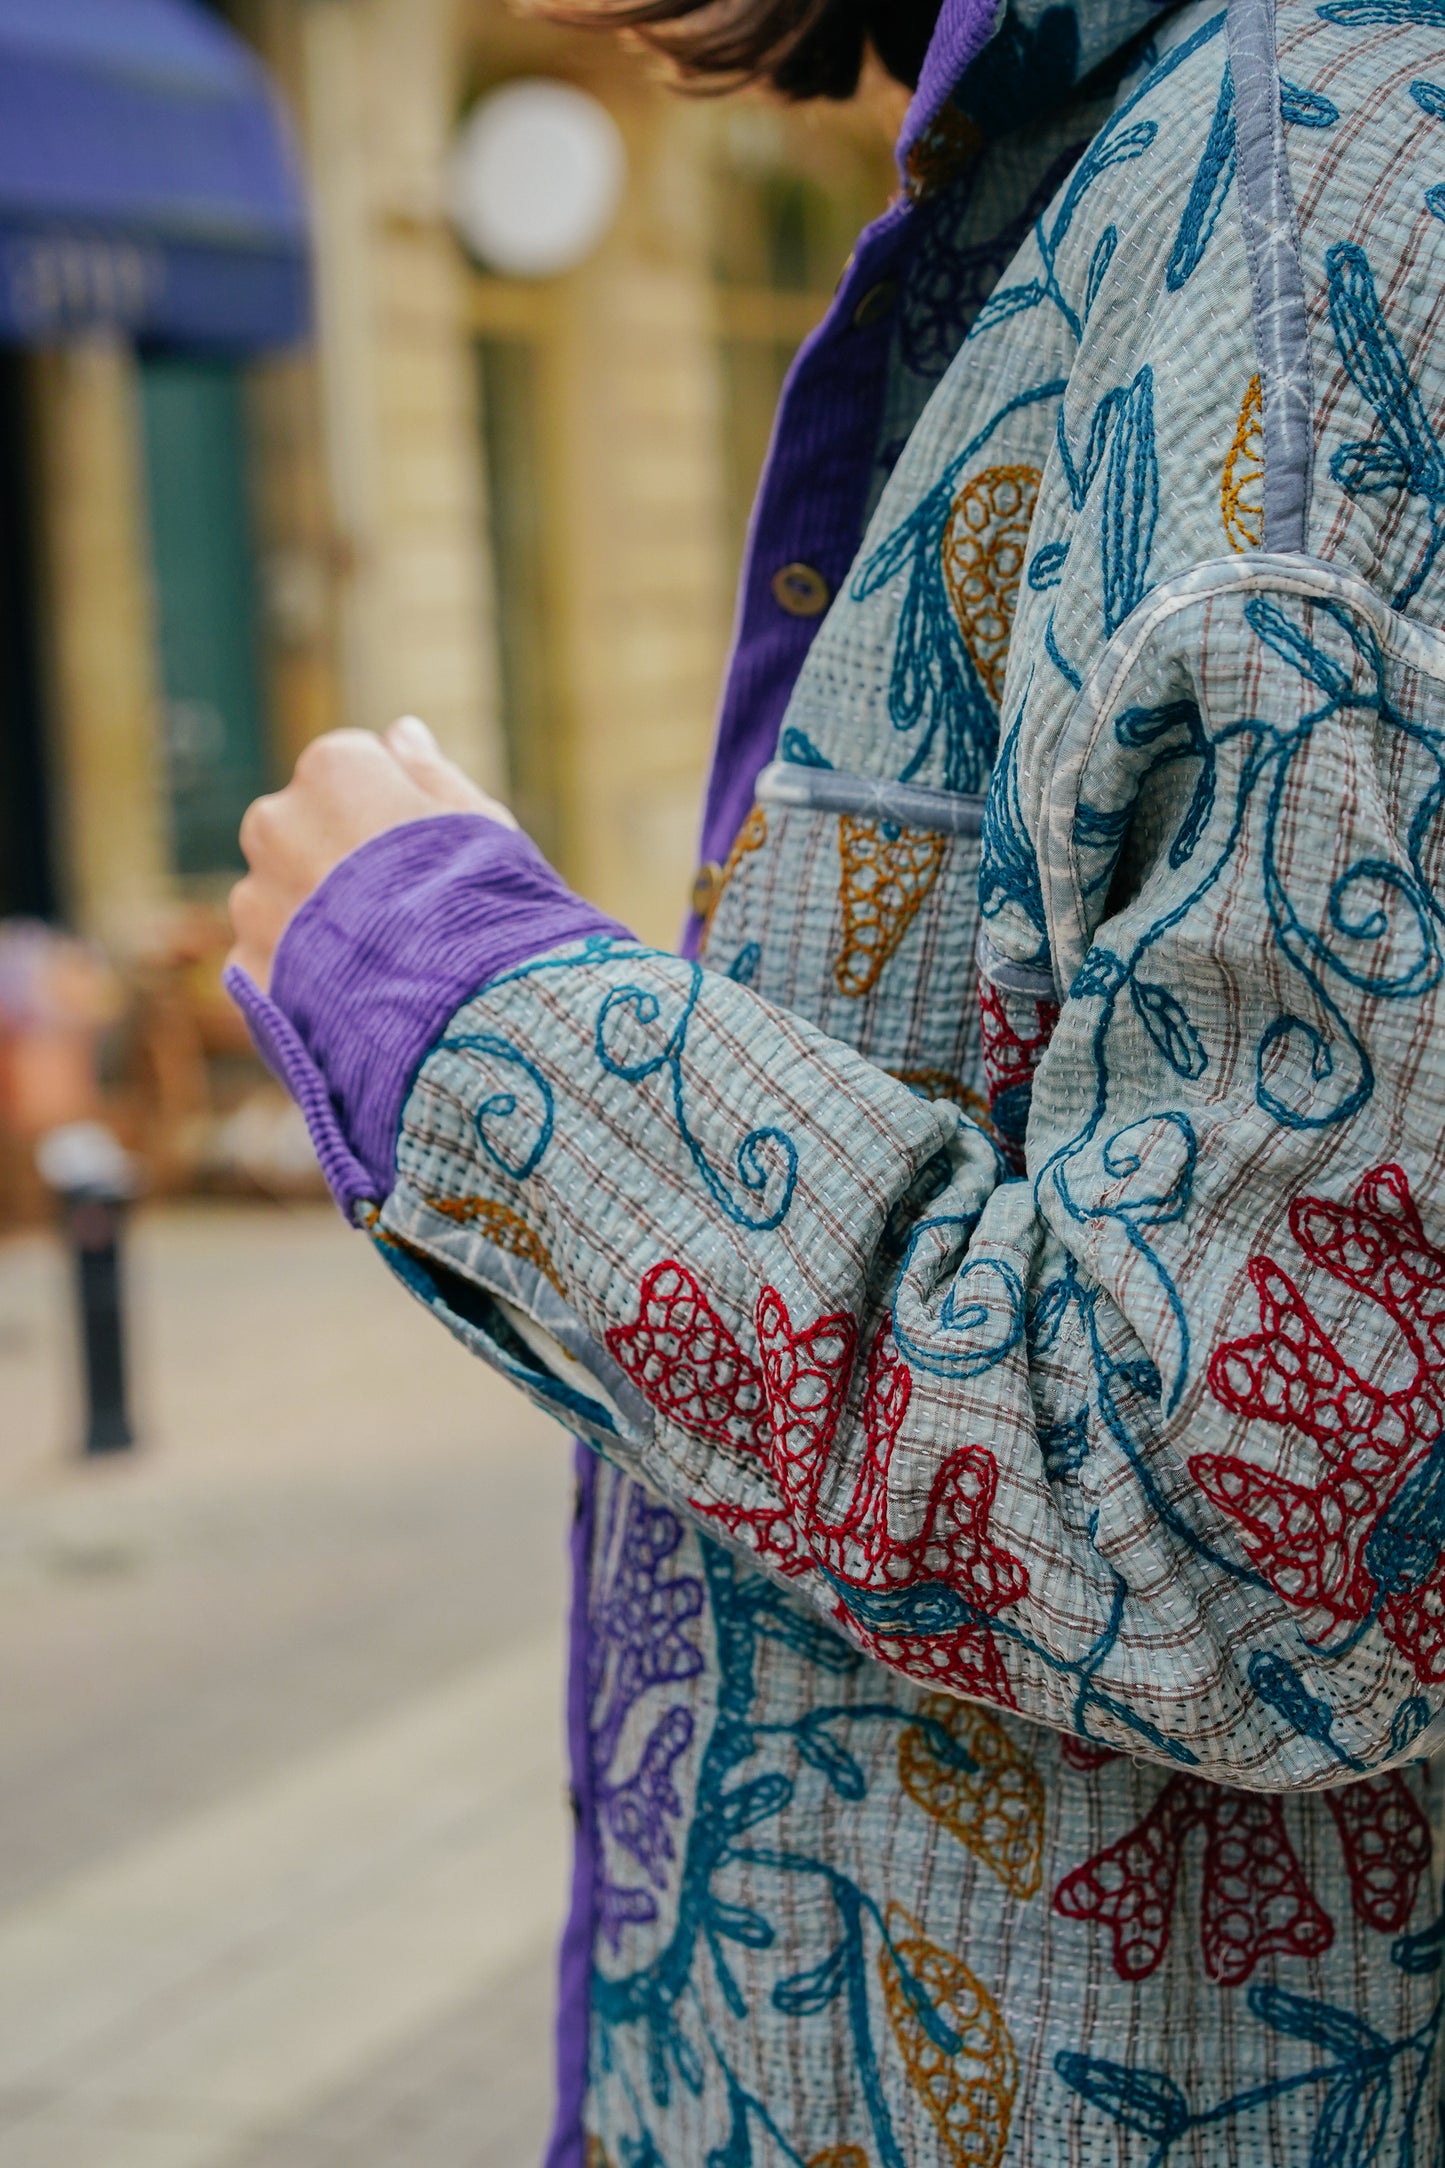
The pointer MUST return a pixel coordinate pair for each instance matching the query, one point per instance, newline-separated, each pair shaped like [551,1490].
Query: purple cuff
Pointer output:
[375,964]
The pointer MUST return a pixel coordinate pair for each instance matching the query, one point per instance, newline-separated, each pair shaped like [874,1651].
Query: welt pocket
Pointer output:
[871,798]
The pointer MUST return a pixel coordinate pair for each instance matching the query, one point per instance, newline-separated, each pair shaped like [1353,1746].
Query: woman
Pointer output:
[1004,1282]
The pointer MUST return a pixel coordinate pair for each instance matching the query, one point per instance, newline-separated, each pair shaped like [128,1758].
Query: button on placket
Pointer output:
[801,590]
[706,883]
[875,305]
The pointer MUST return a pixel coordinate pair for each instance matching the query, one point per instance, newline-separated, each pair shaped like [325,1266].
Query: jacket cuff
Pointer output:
[375,964]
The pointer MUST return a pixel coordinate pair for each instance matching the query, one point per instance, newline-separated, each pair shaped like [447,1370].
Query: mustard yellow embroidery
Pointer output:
[887,872]
[969,2092]
[996,1808]
[943,1084]
[984,546]
[840,2156]
[507,1229]
[1241,486]
[751,837]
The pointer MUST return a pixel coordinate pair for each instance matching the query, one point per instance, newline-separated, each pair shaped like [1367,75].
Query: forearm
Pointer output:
[1019,1439]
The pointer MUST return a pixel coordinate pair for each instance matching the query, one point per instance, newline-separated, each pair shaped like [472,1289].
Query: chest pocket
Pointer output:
[854,903]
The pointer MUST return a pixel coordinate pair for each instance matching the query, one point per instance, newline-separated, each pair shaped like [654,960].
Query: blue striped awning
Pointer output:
[147,180]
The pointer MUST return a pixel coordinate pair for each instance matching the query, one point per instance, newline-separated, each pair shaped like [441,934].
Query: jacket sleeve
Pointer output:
[1146,1444]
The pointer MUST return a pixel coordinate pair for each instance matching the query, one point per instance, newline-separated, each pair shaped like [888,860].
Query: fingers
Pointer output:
[414,748]
[349,787]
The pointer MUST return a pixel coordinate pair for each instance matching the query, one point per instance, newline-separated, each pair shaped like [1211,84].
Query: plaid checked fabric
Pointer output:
[1004,1279]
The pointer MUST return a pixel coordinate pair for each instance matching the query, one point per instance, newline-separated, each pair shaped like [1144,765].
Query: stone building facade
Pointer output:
[514,507]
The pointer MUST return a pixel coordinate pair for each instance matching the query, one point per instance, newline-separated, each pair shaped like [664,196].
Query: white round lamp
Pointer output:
[536,177]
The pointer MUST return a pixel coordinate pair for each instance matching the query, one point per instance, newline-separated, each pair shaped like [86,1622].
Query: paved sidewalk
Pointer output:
[282,1819]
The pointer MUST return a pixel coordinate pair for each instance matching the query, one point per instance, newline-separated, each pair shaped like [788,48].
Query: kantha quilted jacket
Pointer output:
[999,1270]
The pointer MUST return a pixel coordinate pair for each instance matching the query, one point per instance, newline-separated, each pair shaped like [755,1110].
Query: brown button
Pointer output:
[706,883]
[875,305]
[801,591]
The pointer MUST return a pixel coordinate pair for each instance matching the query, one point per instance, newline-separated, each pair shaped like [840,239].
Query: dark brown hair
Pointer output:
[803,48]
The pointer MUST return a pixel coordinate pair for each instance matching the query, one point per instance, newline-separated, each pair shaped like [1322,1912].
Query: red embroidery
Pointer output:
[805,1378]
[683,1358]
[1083,1754]
[1011,1054]
[1386,1840]
[1367,1536]
[1255,1900]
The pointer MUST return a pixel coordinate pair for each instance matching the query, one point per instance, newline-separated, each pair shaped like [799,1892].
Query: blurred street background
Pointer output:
[283,1823]
[357,357]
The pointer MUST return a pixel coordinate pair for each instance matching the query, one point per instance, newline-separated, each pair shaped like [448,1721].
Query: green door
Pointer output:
[205,575]
[27,879]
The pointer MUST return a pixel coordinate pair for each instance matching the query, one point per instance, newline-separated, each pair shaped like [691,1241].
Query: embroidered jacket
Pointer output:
[1003,1275]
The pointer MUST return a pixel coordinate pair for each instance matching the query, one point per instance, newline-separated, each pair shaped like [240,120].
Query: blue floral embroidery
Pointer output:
[1116,144]
[796,746]
[1215,173]
[1406,455]
[744,967]
[1212,182]
[662,1998]
[934,683]
[1431,99]
[1371,14]
[513,1134]
[1129,510]
[948,285]
[766,1160]
[1362,2074]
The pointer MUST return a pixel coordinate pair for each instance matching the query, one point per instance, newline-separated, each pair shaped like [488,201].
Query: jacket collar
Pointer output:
[993,65]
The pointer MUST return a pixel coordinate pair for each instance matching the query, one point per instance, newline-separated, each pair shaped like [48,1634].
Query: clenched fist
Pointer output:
[348,787]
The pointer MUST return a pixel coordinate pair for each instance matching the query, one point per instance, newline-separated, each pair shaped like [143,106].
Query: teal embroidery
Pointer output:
[765,1163]
[1406,455]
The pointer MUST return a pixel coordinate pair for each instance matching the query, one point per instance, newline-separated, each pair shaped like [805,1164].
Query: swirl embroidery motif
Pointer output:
[630,1022]
[514,1124]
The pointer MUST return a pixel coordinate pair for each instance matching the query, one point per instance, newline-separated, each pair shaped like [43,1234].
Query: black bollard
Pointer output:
[93,1177]
[94,1224]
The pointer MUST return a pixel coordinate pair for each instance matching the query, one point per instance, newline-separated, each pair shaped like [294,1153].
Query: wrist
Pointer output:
[375,962]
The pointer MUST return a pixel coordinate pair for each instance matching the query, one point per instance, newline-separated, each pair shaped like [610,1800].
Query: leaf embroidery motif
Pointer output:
[682,1356]
[1254,1898]
[984,546]
[1364,1541]
[968,2090]
[996,1809]
[750,837]
[887,872]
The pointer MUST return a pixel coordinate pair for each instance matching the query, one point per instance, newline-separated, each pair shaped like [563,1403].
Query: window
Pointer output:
[27,883]
[202,552]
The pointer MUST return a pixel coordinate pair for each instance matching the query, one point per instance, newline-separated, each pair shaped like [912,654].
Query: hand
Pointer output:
[348,787]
